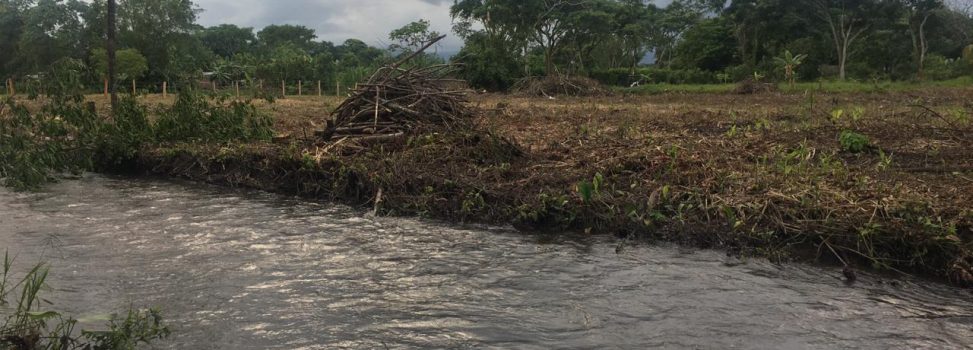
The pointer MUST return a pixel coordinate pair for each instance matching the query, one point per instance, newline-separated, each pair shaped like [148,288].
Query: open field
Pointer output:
[760,174]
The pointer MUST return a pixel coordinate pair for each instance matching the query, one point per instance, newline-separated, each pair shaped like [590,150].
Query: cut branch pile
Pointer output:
[395,101]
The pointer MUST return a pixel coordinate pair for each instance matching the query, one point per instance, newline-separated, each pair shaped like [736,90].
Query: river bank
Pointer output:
[782,176]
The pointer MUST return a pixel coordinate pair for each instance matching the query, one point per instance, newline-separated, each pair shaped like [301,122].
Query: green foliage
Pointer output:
[28,325]
[195,118]
[130,130]
[854,142]
[488,64]
[129,63]
[61,136]
[138,327]
[789,62]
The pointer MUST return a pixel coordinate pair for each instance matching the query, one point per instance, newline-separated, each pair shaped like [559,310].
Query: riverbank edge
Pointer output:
[370,183]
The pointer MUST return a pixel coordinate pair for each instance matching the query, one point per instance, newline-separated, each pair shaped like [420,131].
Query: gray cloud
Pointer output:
[334,20]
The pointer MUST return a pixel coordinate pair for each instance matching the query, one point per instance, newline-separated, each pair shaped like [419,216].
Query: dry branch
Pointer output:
[397,99]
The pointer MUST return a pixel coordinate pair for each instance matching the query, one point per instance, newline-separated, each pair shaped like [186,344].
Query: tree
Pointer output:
[543,24]
[227,40]
[52,30]
[673,21]
[847,21]
[413,36]
[918,14]
[708,45]
[790,62]
[162,31]
[486,64]
[273,36]
[635,22]
[129,63]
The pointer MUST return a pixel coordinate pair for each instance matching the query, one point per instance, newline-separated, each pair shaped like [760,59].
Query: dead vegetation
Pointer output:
[559,85]
[751,86]
[396,100]
[762,174]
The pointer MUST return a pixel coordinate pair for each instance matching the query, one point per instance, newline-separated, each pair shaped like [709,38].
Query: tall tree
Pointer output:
[162,31]
[918,14]
[227,40]
[847,21]
[273,36]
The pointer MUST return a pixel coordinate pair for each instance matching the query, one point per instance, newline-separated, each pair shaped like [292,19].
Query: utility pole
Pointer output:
[110,47]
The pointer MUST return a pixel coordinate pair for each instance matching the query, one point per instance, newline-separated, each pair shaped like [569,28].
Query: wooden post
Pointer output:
[236,86]
[283,88]
[165,89]
[133,87]
[13,87]
[319,88]
[106,87]
[337,88]
[300,87]
[214,86]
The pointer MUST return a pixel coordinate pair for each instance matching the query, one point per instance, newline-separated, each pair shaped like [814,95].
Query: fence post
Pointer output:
[236,86]
[283,89]
[214,86]
[319,88]
[165,89]
[106,87]
[300,87]
[337,88]
[133,87]
[13,87]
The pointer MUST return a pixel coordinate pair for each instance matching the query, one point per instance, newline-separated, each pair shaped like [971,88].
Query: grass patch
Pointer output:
[822,87]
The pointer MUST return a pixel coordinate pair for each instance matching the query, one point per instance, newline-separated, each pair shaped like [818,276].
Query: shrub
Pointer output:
[854,142]
[194,118]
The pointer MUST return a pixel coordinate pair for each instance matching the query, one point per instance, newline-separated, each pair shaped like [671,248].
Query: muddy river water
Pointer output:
[250,270]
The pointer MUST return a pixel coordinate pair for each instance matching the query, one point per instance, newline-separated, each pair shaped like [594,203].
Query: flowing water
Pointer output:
[249,270]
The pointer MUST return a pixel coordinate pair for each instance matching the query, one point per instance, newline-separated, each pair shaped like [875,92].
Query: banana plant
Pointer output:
[790,62]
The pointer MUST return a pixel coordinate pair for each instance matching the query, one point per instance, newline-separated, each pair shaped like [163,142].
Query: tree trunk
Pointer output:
[920,45]
[110,47]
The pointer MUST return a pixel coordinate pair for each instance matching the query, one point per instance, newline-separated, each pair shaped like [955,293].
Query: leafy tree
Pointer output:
[129,63]
[52,30]
[161,30]
[709,45]
[487,64]
[918,14]
[274,36]
[227,40]
[413,36]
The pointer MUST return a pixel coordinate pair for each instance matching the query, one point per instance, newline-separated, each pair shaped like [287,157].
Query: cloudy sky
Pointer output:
[336,20]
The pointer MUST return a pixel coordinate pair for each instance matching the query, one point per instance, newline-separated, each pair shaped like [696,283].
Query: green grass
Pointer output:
[823,86]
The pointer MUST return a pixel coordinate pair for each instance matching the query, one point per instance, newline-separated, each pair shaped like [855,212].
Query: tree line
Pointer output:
[614,41]
[159,40]
[698,41]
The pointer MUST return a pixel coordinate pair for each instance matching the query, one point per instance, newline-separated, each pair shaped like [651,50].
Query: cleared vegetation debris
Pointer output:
[395,101]
[560,85]
[751,86]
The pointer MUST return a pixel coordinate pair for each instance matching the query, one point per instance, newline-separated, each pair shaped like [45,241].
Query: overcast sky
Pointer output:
[336,20]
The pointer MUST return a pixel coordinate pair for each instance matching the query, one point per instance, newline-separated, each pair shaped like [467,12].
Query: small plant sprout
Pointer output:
[885,160]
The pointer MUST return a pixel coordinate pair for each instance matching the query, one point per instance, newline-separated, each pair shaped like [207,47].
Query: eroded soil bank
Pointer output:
[874,180]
